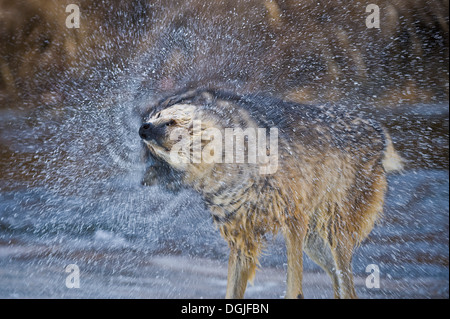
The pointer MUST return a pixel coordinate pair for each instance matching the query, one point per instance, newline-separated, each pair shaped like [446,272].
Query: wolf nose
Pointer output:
[146,131]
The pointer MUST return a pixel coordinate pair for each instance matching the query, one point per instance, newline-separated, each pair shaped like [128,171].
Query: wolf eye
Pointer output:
[158,115]
[170,123]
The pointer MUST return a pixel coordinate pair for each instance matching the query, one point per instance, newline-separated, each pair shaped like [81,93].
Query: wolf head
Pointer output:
[207,135]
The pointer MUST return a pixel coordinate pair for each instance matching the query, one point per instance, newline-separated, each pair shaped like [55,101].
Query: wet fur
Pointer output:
[325,197]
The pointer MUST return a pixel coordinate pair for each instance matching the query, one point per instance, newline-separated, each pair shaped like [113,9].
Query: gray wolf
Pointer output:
[325,196]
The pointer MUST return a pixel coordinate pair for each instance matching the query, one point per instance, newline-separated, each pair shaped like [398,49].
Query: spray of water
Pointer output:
[72,163]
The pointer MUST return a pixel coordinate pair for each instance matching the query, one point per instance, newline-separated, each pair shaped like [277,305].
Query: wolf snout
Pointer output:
[147,131]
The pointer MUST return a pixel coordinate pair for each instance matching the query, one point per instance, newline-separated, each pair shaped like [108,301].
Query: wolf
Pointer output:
[325,196]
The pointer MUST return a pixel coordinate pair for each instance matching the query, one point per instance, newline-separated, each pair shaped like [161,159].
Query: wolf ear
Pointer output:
[185,97]
[204,98]
[197,97]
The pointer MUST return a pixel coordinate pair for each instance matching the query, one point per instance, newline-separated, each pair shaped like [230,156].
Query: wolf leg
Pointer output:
[319,251]
[241,269]
[343,254]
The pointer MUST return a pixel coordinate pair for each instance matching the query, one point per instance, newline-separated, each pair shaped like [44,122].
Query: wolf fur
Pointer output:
[325,197]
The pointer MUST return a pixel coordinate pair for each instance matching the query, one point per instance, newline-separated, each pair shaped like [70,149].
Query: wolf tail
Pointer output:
[392,161]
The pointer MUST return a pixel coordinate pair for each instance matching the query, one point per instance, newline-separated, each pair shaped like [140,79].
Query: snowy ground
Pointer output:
[184,257]
[27,272]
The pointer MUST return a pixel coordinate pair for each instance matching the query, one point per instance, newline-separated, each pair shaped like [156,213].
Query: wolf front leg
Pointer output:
[241,269]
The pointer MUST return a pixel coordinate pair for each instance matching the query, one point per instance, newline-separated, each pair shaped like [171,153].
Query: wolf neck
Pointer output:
[225,203]
[228,203]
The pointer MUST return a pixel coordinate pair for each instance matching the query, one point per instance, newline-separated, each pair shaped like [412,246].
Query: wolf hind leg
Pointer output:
[343,254]
[319,250]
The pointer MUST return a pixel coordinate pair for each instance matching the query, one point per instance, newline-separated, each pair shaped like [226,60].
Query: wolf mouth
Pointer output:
[155,145]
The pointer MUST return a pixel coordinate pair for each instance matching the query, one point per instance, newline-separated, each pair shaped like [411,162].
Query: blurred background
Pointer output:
[71,101]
